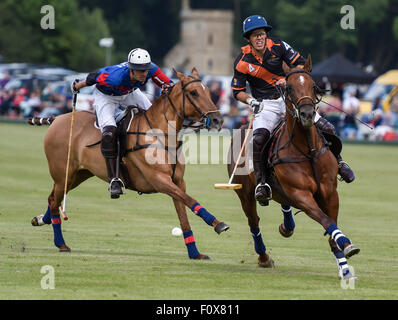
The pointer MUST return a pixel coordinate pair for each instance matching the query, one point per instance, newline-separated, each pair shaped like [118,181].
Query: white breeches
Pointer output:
[273,111]
[106,105]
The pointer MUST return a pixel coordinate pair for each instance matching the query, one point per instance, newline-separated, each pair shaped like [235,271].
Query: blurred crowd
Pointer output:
[342,108]
[24,102]
[343,111]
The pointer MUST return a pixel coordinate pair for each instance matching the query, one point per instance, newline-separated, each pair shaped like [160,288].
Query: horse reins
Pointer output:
[204,116]
[297,104]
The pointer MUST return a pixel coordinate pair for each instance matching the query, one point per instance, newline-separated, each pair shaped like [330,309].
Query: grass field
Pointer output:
[123,249]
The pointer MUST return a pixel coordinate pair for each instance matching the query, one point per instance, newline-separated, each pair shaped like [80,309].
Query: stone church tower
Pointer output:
[205,42]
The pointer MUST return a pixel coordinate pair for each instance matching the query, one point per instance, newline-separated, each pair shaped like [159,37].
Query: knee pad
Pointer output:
[260,138]
[108,142]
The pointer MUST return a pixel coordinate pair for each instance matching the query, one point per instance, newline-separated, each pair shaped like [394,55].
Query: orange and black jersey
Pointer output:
[262,72]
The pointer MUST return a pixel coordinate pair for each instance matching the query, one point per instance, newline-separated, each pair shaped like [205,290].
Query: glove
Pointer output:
[256,105]
[167,87]
[73,87]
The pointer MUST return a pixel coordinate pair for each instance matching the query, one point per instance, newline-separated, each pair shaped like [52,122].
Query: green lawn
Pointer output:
[123,249]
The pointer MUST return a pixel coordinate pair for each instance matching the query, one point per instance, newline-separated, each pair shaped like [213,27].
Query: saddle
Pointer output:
[123,121]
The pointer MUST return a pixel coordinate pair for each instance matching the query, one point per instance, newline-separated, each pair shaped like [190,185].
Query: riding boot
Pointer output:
[263,192]
[115,184]
[345,171]
[110,152]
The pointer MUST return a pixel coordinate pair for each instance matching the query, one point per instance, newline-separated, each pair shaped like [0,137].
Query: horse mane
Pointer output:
[158,103]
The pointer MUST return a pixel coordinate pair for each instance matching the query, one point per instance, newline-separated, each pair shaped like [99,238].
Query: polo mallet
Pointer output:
[230,185]
[62,210]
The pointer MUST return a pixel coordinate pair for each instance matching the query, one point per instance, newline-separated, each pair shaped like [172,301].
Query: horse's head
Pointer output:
[196,100]
[301,94]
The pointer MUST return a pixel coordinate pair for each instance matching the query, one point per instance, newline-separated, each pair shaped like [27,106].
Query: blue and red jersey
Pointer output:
[115,80]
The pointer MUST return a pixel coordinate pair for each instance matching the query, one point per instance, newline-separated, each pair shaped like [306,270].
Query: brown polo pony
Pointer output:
[304,172]
[152,137]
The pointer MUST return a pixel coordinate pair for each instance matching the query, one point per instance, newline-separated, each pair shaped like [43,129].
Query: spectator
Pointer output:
[377,118]
[390,119]
[53,107]
[5,102]
[351,107]
[31,106]
[5,80]
[19,97]
[234,121]
[377,104]
[215,92]
[331,111]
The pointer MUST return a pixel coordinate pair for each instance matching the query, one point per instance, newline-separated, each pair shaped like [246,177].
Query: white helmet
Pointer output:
[139,59]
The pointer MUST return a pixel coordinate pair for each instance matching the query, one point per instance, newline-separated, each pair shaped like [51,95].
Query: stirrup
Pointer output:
[122,187]
[268,187]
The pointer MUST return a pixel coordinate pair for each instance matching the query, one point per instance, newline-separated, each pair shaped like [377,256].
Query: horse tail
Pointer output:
[41,121]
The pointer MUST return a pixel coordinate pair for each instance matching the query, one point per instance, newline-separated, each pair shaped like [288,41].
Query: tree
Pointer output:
[73,43]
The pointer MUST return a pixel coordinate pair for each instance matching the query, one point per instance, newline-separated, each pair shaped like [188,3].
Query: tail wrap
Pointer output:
[37,121]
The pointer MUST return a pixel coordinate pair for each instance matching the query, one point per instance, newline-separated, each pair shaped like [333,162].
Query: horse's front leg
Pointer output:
[189,239]
[331,208]
[306,202]
[163,183]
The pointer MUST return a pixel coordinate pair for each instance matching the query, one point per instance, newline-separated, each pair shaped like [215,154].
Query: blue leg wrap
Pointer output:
[288,220]
[56,223]
[203,213]
[259,245]
[191,245]
[337,236]
[47,216]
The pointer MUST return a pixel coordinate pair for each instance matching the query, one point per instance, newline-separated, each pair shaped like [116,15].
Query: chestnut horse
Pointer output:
[189,98]
[304,172]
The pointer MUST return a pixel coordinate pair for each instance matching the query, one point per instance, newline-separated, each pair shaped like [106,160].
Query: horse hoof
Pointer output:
[38,220]
[221,227]
[284,232]
[351,250]
[202,257]
[64,248]
[267,262]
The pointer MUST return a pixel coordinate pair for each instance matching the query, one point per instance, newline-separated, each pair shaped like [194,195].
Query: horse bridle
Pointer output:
[298,104]
[204,118]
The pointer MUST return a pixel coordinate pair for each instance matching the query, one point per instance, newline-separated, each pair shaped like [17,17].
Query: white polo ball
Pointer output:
[176,232]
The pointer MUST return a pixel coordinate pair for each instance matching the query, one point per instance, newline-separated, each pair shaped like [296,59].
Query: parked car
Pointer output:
[85,97]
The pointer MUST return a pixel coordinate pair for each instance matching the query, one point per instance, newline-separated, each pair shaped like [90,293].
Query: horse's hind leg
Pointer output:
[248,203]
[286,229]
[52,215]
